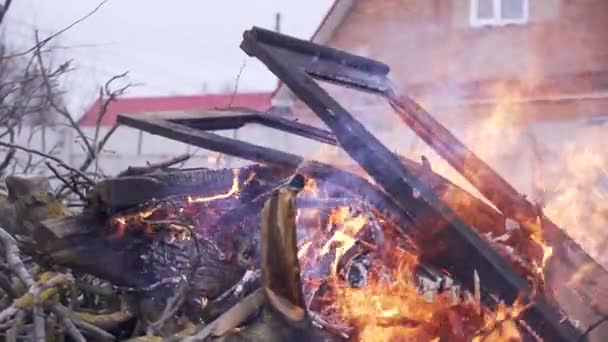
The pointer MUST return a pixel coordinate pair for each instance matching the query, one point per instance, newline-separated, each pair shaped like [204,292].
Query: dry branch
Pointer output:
[50,157]
[46,40]
[139,170]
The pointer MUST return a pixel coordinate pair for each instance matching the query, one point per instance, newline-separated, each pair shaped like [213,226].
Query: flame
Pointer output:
[536,234]
[233,191]
[387,310]
[581,273]
[344,236]
[120,223]
[577,191]
[502,326]
[303,250]
[390,307]
[172,218]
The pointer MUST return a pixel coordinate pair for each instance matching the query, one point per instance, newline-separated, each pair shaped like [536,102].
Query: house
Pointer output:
[517,80]
[460,55]
[523,83]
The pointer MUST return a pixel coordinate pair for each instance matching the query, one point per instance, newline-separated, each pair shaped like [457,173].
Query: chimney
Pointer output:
[277,22]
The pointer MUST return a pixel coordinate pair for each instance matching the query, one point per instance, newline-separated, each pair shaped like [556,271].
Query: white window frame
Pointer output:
[497,19]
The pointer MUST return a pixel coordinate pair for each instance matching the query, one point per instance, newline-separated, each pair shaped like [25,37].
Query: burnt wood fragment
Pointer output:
[136,263]
[284,316]
[127,191]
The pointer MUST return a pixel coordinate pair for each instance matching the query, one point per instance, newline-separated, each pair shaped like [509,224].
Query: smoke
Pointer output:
[493,88]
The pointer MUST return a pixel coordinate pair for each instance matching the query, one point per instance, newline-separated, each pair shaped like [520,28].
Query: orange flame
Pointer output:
[234,189]
[344,236]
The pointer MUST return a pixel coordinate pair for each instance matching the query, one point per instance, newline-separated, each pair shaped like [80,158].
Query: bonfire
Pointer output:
[289,248]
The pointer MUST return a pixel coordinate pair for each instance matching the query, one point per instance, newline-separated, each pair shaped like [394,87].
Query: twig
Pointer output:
[95,148]
[236,84]
[486,333]
[138,170]
[176,301]
[53,158]
[7,287]
[16,265]
[39,324]
[13,261]
[477,291]
[90,158]
[236,290]
[31,297]
[68,324]
[231,318]
[11,153]
[106,321]
[56,34]
[13,332]
[49,89]
[87,328]
[112,95]
[66,182]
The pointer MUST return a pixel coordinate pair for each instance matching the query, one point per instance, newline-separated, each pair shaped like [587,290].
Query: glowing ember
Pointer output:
[121,222]
[232,192]
[174,220]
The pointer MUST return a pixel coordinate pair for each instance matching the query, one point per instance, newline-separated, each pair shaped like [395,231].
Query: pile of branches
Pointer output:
[80,276]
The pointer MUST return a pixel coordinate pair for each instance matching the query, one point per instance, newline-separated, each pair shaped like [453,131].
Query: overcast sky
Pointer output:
[169,47]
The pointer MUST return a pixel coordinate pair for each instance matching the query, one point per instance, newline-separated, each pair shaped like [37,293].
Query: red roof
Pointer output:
[135,105]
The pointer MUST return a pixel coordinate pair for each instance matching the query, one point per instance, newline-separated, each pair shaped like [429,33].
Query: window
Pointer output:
[498,12]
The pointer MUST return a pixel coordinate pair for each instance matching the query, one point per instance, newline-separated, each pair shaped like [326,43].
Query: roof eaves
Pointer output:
[282,96]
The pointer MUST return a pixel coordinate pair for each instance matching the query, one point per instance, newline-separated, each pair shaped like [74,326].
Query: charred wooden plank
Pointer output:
[279,159]
[234,119]
[398,182]
[128,191]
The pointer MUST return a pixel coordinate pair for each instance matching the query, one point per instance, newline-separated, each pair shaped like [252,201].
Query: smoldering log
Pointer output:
[122,192]
[138,264]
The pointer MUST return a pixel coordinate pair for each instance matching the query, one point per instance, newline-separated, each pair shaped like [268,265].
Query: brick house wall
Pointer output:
[530,99]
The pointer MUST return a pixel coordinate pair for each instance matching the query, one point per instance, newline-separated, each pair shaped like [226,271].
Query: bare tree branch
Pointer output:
[11,153]
[56,34]
[53,158]
[62,111]
[66,183]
